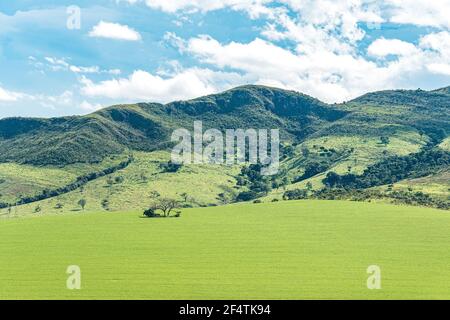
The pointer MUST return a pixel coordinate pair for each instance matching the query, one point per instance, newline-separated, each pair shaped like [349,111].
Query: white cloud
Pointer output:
[323,74]
[76,69]
[53,102]
[9,96]
[383,47]
[418,12]
[87,106]
[439,68]
[144,86]
[333,73]
[323,60]
[342,12]
[114,31]
[438,42]
[189,6]
[326,74]
[47,101]
[436,46]
[60,64]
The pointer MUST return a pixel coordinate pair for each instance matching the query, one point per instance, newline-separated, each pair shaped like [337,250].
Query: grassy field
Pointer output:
[436,185]
[18,179]
[202,183]
[285,250]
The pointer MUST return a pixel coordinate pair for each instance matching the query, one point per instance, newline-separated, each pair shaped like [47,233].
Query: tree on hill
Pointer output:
[143,177]
[119,179]
[384,140]
[305,152]
[296,194]
[170,167]
[154,194]
[165,205]
[82,203]
[110,182]
[247,196]
[185,196]
[105,204]
[285,182]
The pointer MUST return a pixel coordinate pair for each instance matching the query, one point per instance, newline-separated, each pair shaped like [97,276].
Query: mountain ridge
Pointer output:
[147,126]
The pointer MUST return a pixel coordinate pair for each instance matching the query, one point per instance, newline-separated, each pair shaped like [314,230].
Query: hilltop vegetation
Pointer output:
[147,127]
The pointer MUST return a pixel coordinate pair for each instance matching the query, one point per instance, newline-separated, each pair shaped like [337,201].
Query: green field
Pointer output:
[285,250]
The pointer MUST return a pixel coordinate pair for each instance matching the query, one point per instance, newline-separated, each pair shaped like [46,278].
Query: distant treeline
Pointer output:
[80,181]
[392,170]
[397,197]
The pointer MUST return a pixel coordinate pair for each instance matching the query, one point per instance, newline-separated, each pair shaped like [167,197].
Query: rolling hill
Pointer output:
[41,156]
[144,127]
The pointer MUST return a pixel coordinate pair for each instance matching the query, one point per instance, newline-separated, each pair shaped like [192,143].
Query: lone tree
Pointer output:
[105,204]
[154,194]
[82,203]
[165,205]
[143,177]
[110,182]
[185,196]
[384,140]
[119,179]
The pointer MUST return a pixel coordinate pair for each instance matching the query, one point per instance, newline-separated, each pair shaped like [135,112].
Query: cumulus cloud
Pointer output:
[331,76]
[323,74]
[53,102]
[416,12]
[9,96]
[255,6]
[383,47]
[114,31]
[144,86]
[436,46]
[323,58]
[419,12]
[87,106]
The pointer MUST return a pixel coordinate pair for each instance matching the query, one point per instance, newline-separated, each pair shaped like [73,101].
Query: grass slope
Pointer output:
[25,180]
[288,250]
[202,184]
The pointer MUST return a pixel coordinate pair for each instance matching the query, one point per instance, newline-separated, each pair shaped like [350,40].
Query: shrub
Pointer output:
[105,204]
[119,179]
[170,167]
[150,213]
[296,194]
[246,196]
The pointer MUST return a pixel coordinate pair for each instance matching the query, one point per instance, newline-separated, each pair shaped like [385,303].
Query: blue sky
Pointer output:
[54,61]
